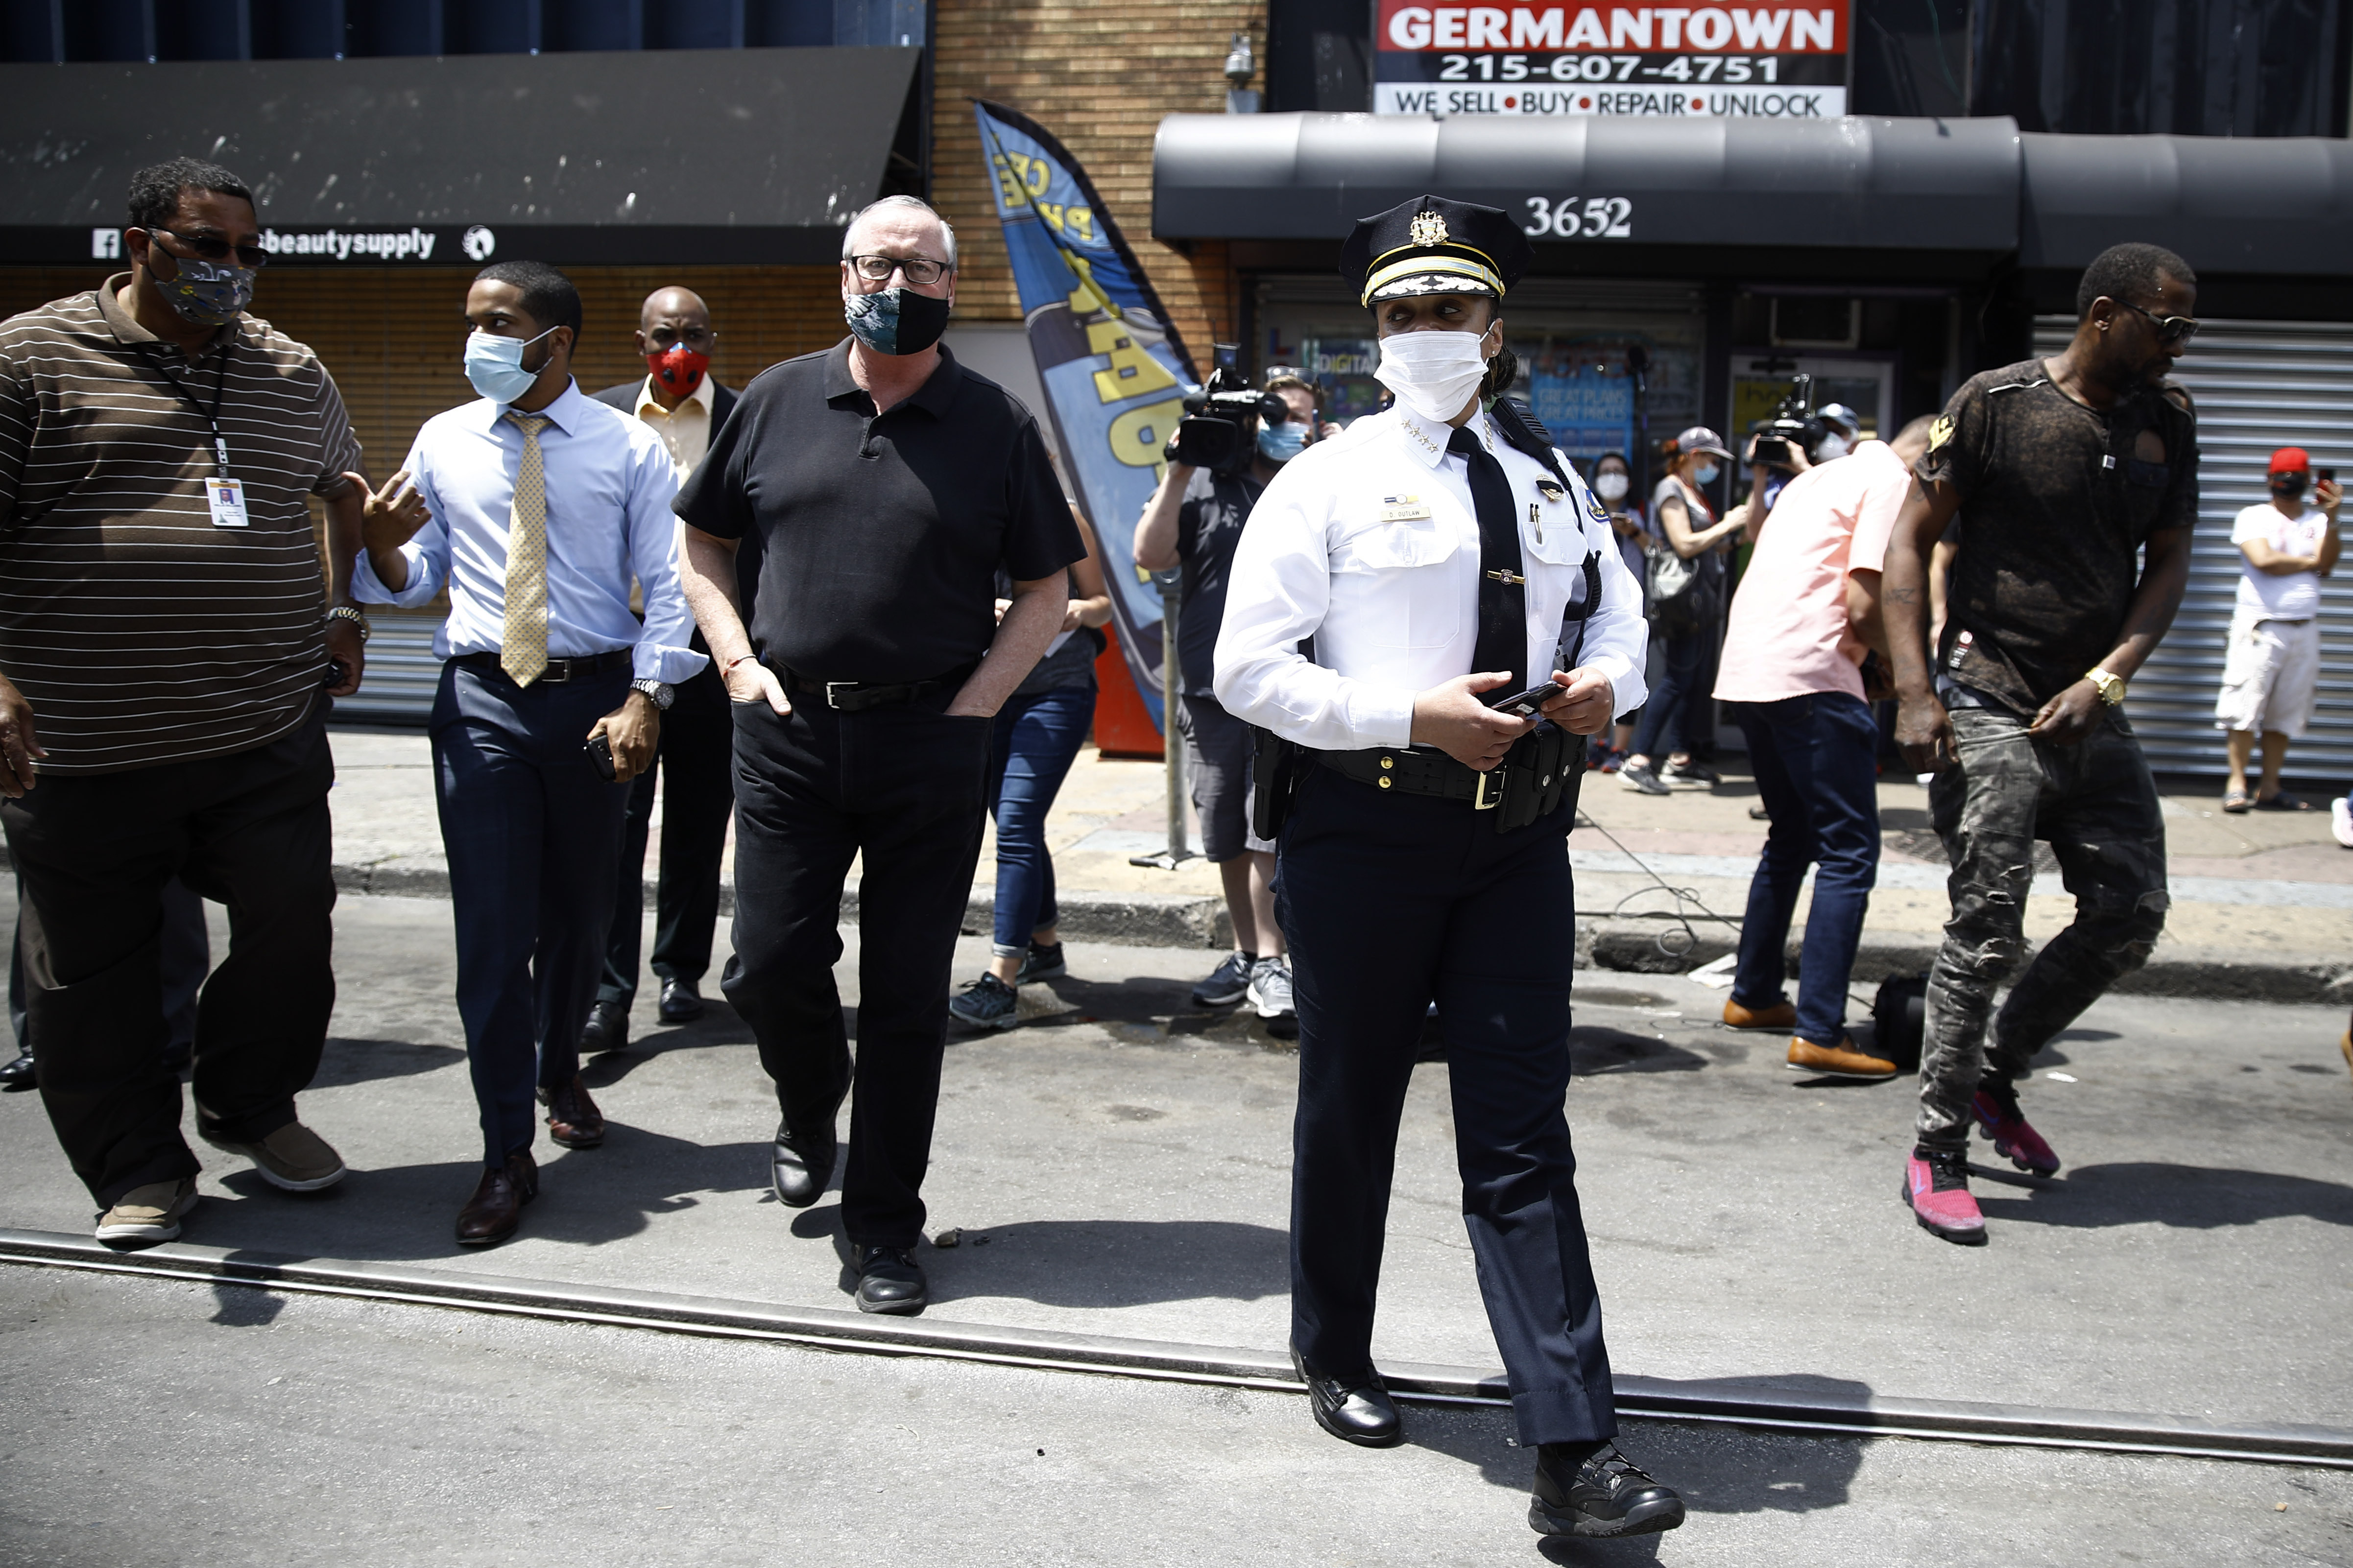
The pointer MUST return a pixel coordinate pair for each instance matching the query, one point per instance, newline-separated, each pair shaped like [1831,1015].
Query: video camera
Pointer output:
[1793,422]
[1215,433]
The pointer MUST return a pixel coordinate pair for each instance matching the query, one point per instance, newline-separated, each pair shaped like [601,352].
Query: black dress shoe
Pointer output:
[496,1207]
[681,1002]
[891,1280]
[798,1168]
[1598,1494]
[1357,1410]
[16,1077]
[607,1028]
[573,1118]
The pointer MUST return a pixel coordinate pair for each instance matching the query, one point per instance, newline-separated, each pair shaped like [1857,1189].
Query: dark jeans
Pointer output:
[1816,771]
[696,773]
[94,854]
[2096,805]
[1678,714]
[186,957]
[902,787]
[1035,739]
[1388,903]
[531,831]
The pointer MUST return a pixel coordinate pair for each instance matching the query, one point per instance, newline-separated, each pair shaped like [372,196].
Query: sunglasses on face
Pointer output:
[917,269]
[213,249]
[2176,330]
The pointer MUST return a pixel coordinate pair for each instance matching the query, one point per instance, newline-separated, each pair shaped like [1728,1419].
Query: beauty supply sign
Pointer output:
[1776,59]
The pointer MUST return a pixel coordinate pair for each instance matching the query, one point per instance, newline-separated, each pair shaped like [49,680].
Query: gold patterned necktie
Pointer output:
[523,644]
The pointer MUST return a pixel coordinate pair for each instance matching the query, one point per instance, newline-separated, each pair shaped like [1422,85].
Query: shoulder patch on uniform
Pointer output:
[1940,432]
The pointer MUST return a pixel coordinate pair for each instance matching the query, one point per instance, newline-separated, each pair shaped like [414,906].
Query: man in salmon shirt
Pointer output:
[1805,616]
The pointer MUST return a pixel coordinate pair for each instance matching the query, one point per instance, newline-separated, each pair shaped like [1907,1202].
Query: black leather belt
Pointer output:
[1418,771]
[1543,769]
[857,696]
[559,670]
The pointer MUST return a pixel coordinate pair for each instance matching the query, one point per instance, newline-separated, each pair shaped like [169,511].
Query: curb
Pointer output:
[1732,1402]
[1625,946]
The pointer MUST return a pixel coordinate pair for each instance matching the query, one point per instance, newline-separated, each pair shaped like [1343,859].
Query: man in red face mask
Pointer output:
[686,406]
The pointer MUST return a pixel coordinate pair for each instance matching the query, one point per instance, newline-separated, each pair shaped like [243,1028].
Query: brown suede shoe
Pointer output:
[1779,1015]
[496,1207]
[573,1118]
[1842,1060]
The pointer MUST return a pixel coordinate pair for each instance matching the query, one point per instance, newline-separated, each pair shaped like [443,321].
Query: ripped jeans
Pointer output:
[2096,805]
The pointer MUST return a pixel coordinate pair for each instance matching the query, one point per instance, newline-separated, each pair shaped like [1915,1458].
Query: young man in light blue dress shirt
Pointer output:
[538,507]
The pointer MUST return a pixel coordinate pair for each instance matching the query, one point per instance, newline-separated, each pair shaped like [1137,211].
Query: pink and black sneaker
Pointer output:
[2013,1140]
[1936,1189]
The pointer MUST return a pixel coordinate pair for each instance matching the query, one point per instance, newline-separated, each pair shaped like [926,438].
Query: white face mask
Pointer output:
[1610,487]
[1433,373]
[1831,449]
[1705,474]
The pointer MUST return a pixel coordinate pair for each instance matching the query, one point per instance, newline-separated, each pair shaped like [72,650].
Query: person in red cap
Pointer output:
[2288,545]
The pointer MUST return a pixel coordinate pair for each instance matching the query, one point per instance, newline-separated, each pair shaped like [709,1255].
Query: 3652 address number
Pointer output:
[1599,217]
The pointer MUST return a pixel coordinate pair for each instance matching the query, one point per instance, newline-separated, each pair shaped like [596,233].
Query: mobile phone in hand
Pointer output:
[600,757]
[1525,703]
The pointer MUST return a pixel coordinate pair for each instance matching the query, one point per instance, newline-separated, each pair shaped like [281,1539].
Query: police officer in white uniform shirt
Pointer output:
[1393,587]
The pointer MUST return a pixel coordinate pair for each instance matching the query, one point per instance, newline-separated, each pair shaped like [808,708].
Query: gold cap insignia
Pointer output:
[1427,230]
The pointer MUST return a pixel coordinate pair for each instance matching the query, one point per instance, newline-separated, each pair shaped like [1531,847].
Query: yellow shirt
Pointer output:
[687,431]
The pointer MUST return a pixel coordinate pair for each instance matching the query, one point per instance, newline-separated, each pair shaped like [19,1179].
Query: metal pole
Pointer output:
[1172,744]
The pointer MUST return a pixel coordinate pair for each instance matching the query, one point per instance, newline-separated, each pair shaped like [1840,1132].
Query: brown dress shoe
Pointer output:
[496,1207]
[1842,1060]
[573,1118]
[1779,1015]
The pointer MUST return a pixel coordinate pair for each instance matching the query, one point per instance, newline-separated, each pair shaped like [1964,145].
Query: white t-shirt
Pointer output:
[2267,595]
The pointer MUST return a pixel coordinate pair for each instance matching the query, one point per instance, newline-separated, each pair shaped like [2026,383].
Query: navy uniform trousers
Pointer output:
[1389,902]
[533,833]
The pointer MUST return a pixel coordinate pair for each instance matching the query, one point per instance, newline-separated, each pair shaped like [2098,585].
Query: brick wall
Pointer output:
[393,338]
[1100,76]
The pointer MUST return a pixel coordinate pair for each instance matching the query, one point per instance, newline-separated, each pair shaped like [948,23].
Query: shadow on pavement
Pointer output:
[2186,1198]
[407,1212]
[1104,1263]
[1594,1050]
[346,1062]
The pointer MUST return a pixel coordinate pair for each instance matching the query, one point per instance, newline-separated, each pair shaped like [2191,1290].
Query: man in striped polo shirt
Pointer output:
[165,645]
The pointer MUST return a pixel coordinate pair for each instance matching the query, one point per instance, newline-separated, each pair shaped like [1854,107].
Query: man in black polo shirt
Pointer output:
[885,484]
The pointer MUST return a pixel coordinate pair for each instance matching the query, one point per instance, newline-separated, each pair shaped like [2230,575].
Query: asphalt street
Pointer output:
[1117,1166]
[167,1426]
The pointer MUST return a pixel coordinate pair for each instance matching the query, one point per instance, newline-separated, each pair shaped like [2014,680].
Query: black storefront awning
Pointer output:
[685,155]
[1687,191]
[1896,185]
[2272,206]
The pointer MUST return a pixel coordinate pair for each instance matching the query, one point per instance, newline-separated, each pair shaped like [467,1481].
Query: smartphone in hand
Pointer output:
[600,757]
[1525,703]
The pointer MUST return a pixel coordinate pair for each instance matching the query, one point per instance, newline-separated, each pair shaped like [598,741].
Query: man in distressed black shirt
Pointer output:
[2067,469]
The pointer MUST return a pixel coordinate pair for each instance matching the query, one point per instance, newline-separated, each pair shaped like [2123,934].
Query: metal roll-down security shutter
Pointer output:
[2260,385]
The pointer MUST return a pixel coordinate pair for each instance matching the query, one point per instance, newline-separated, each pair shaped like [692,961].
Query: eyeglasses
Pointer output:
[213,249]
[878,269]
[2175,330]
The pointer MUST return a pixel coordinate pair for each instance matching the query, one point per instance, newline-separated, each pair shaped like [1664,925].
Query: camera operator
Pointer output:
[1193,523]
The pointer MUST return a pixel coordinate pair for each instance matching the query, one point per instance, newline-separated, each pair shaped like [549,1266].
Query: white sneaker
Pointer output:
[1270,987]
[2340,820]
[151,1212]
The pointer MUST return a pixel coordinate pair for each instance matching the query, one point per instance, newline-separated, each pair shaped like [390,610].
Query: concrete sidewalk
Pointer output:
[2262,905]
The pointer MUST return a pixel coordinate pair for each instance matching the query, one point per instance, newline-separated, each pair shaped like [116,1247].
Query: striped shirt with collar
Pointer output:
[140,633]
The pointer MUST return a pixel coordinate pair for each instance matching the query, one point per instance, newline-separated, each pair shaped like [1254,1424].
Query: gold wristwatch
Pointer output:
[2112,687]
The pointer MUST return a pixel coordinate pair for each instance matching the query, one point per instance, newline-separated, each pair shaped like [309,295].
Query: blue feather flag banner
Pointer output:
[1114,370]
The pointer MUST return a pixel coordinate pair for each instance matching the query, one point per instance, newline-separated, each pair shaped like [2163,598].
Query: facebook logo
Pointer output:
[106,245]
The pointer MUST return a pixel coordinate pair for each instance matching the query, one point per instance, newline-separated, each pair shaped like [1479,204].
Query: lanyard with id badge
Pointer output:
[223,492]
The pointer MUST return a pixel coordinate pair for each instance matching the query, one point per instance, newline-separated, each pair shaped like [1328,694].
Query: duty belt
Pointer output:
[1541,769]
[857,696]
